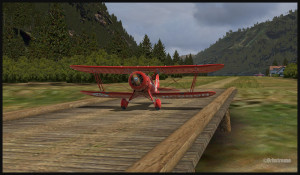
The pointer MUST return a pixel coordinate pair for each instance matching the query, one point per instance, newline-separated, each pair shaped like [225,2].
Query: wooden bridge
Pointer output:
[103,138]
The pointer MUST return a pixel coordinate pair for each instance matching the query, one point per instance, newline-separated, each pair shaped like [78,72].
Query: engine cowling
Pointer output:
[139,81]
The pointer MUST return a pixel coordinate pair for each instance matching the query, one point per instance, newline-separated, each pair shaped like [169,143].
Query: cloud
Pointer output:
[219,14]
[191,27]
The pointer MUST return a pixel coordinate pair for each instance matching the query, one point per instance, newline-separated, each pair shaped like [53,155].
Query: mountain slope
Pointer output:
[253,50]
[85,20]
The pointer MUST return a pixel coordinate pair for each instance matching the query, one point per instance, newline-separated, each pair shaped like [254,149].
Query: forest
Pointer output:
[249,51]
[42,40]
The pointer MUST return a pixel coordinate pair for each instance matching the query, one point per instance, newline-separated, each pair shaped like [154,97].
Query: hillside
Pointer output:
[253,50]
[79,24]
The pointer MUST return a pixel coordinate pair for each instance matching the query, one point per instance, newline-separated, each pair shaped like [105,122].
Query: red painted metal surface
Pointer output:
[194,82]
[178,69]
[161,95]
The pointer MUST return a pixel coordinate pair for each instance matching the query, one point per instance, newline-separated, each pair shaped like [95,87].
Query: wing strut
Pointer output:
[99,81]
[194,82]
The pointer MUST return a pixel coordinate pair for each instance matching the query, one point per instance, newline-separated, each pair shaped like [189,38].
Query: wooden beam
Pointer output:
[225,123]
[165,156]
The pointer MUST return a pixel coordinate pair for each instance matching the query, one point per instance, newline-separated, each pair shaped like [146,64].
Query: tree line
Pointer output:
[252,50]
[46,53]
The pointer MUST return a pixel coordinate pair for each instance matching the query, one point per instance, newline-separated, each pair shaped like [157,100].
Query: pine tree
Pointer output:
[267,72]
[83,44]
[285,62]
[180,62]
[189,60]
[58,37]
[275,63]
[119,46]
[146,47]
[159,51]
[168,61]
[16,16]
[176,57]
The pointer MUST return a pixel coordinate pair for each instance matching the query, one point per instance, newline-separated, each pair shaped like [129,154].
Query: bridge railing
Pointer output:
[165,156]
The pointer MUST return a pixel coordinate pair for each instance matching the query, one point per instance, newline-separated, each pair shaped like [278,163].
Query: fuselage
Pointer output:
[140,82]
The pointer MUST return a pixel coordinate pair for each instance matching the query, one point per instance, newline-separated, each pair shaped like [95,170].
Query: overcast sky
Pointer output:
[191,27]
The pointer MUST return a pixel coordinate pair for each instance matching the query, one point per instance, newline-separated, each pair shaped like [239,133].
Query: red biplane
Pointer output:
[147,86]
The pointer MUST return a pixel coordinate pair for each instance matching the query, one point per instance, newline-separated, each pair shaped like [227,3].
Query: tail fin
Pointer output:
[156,82]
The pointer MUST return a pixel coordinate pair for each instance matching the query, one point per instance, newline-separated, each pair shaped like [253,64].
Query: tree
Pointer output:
[146,47]
[119,46]
[285,62]
[159,51]
[168,61]
[83,44]
[291,71]
[16,17]
[53,40]
[176,57]
[180,62]
[189,60]
[275,63]
[267,72]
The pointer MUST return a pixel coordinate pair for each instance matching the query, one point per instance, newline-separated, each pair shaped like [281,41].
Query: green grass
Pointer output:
[264,125]
[17,96]
[245,82]
[186,82]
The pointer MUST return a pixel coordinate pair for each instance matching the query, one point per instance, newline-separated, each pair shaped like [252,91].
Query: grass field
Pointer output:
[263,119]
[17,96]
[264,125]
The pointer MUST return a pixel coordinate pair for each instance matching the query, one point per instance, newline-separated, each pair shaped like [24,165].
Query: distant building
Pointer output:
[277,70]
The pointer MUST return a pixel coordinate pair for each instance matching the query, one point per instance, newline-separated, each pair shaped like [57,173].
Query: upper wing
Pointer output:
[108,94]
[178,69]
[185,94]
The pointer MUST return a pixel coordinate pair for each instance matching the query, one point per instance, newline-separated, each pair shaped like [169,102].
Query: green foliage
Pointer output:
[146,47]
[189,60]
[53,41]
[275,75]
[285,62]
[168,61]
[291,71]
[24,69]
[41,41]
[267,72]
[176,58]
[56,30]
[159,51]
[275,63]
[252,50]
[16,18]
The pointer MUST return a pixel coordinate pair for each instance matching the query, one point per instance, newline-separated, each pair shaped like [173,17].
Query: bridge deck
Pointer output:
[97,138]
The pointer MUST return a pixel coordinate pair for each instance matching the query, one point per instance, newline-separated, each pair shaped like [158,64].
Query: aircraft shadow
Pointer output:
[140,106]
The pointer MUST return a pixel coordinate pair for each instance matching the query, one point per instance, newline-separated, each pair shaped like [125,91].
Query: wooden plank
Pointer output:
[45,109]
[202,141]
[165,156]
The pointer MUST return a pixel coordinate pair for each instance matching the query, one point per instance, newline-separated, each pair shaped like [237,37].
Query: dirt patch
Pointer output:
[218,84]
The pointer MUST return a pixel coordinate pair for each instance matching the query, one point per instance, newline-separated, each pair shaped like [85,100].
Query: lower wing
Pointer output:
[108,94]
[166,89]
[185,94]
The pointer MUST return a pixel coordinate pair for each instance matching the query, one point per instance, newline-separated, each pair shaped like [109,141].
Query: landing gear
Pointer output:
[124,103]
[157,104]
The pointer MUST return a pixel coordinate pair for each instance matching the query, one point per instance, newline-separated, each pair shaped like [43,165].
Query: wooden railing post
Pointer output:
[225,125]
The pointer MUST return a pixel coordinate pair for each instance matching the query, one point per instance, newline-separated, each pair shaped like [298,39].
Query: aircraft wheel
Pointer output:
[157,104]
[124,103]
